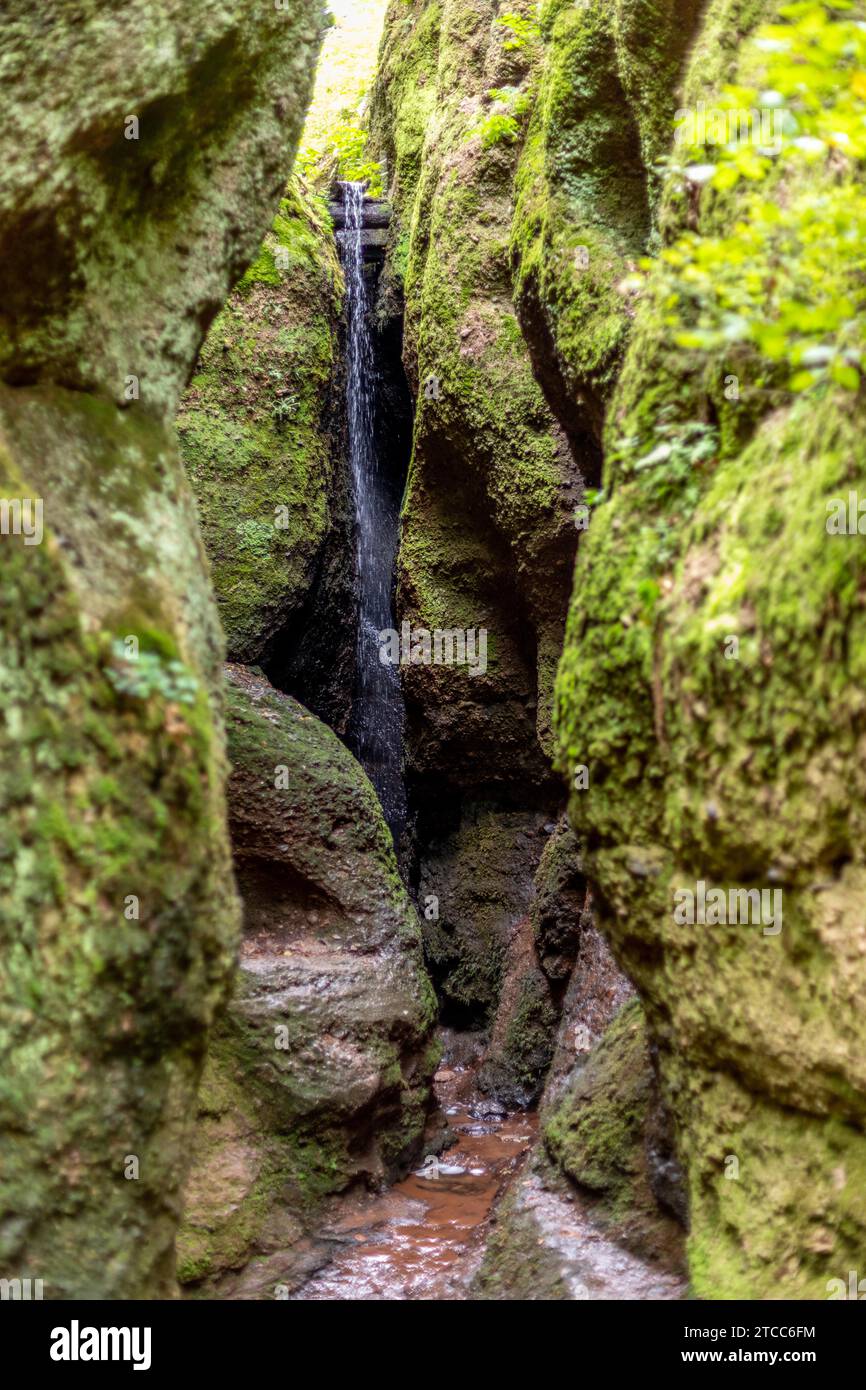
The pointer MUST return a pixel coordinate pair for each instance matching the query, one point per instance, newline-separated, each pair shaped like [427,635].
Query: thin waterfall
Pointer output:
[376,726]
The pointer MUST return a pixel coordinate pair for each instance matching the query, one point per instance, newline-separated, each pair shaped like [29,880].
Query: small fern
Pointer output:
[498,129]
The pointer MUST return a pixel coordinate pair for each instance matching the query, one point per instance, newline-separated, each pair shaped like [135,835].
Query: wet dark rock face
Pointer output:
[374,230]
[561,905]
[539,975]
[474,887]
[318,1077]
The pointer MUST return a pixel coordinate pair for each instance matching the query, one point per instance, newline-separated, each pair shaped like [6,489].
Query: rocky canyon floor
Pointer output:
[426,1237]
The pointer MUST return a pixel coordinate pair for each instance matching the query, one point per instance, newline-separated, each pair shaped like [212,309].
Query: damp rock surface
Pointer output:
[318,1076]
[547,1246]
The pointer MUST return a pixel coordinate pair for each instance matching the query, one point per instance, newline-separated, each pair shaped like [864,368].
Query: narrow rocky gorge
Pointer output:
[375,703]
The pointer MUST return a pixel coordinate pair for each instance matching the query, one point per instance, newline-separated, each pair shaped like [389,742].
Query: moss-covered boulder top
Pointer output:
[299,797]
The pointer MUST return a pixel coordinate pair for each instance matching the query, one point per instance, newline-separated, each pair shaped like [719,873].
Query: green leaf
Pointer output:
[846,376]
[800,381]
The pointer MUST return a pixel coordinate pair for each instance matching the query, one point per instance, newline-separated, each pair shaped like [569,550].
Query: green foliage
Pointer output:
[150,674]
[672,468]
[346,65]
[497,129]
[346,150]
[518,102]
[503,126]
[521,31]
[677,453]
[284,408]
[787,281]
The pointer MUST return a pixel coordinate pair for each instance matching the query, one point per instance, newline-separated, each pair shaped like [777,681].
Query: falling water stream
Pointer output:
[376,728]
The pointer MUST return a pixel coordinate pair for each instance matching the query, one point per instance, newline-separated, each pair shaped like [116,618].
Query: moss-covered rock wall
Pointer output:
[488,532]
[711,684]
[123,225]
[586,188]
[260,429]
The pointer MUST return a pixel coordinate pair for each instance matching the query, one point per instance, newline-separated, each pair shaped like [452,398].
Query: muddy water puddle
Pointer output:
[424,1238]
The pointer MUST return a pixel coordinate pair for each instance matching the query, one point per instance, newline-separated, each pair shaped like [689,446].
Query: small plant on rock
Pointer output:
[520,30]
[149,673]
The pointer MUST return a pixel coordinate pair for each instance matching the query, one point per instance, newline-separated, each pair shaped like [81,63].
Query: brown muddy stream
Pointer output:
[424,1238]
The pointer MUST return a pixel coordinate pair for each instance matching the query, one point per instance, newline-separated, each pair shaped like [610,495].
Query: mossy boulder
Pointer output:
[260,434]
[743,772]
[605,1132]
[518,1263]
[118,916]
[319,1075]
